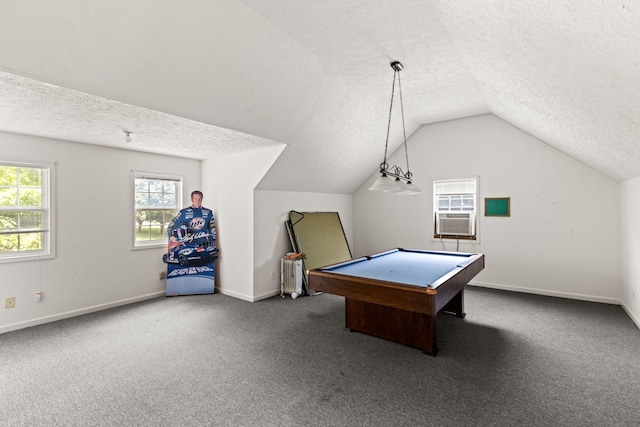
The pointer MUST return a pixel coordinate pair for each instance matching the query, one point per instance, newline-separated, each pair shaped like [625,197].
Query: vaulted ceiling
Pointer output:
[208,78]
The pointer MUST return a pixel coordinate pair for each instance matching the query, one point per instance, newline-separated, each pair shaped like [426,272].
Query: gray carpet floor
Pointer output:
[213,360]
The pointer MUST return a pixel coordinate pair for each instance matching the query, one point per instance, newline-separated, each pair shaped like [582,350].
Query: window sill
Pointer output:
[25,257]
[150,245]
[453,237]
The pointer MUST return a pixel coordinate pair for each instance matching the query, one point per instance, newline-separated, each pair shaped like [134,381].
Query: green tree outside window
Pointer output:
[23,213]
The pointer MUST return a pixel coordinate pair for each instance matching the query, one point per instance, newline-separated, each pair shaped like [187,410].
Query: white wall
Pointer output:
[228,184]
[630,232]
[251,233]
[270,236]
[95,267]
[563,236]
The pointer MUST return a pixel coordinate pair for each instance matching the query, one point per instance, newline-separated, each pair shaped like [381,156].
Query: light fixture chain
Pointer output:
[385,182]
[404,131]
[386,144]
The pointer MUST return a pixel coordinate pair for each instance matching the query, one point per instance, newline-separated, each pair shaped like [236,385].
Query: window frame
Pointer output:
[435,205]
[135,244]
[48,210]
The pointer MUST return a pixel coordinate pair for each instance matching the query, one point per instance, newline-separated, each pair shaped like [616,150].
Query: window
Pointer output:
[156,199]
[26,212]
[454,207]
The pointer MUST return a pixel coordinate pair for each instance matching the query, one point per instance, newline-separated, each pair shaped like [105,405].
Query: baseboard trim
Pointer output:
[249,298]
[79,312]
[266,295]
[106,306]
[567,295]
[234,294]
[633,319]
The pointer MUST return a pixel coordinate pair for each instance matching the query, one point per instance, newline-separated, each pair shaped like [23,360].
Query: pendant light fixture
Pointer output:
[392,178]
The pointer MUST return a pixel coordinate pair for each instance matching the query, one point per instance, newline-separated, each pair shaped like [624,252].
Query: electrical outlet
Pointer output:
[163,275]
[10,302]
[273,275]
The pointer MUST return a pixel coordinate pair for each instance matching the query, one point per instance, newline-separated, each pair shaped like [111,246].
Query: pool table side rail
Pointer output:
[453,282]
[405,297]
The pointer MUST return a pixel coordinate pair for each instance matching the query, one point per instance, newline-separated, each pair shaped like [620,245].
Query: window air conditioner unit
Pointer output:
[455,223]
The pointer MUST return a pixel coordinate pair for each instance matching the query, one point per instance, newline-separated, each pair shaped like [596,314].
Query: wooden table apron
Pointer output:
[394,311]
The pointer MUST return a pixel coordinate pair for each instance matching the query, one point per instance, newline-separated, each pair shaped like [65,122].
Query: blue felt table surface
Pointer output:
[410,267]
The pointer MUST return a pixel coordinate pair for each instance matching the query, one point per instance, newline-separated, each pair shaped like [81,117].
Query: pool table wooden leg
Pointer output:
[433,352]
[456,305]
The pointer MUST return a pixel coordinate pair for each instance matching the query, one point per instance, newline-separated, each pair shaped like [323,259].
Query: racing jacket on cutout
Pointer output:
[193,226]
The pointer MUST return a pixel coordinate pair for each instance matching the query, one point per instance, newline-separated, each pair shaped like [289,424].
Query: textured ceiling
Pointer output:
[32,107]
[203,78]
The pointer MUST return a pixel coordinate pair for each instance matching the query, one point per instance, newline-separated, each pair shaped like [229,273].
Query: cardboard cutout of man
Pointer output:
[194,224]
[192,250]
[192,234]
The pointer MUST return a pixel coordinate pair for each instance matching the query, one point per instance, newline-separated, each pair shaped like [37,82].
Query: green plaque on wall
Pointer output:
[497,206]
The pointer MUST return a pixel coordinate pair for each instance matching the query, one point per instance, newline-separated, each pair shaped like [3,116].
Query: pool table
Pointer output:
[397,294]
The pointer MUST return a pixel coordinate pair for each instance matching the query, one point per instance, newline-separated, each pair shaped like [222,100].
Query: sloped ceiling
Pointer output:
[208,78]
